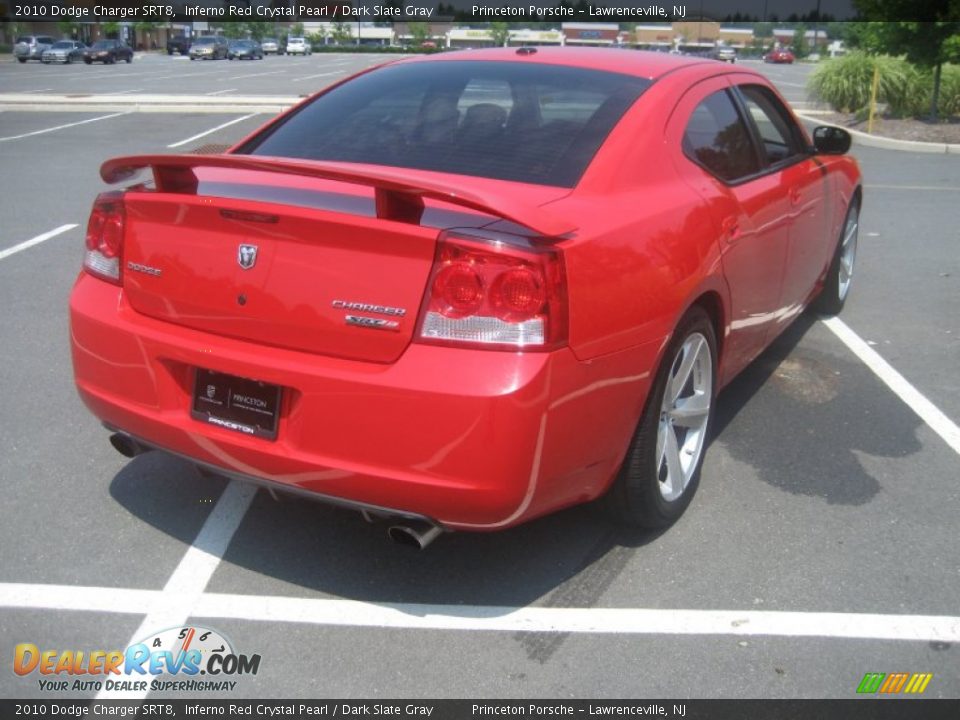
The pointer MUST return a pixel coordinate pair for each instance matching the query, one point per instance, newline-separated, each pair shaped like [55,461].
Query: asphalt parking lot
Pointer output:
[823,542]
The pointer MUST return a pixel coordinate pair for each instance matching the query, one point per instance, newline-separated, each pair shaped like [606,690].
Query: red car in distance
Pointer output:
[466,290]
[779,56]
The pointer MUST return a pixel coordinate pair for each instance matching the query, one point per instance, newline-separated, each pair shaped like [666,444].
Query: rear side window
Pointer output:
[530,123]
[717,139]
[779,135]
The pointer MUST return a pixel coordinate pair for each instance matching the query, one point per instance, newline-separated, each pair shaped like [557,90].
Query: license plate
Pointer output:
[246,406]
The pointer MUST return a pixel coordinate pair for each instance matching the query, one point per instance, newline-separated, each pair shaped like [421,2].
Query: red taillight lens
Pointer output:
[104,252]
[496,291]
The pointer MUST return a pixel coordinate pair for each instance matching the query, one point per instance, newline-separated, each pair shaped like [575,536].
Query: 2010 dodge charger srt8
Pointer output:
[467,290]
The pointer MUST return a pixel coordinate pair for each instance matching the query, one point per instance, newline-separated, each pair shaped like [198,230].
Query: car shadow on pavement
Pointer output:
[812,416]
[571,556]
[798,433]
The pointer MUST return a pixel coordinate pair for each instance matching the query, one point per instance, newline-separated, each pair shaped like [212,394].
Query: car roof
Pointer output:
[641,63]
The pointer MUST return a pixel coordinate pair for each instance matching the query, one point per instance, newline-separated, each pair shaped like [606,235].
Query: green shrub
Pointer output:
[949,90]
[844,83]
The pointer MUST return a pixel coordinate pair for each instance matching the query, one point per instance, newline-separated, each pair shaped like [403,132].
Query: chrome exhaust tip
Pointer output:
[417,535]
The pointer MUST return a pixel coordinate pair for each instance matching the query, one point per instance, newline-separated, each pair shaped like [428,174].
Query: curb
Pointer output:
[867,140]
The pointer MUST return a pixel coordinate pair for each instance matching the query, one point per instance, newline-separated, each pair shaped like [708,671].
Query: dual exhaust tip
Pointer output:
[413,533]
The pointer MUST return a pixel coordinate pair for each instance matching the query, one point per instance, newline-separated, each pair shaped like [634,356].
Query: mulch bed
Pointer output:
[901,129]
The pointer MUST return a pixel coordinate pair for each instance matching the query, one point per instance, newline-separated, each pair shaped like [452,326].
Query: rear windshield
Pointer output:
[62,44]
[205,41]
[103,44]
[528,123]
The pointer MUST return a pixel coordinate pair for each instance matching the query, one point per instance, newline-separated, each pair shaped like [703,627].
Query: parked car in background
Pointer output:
[209,47]
[724,53]
[244,50]
[64,51]
[298,46]
[178,44]
[271,46]
[108,52]
[431,293]
[779,55]
[31,47]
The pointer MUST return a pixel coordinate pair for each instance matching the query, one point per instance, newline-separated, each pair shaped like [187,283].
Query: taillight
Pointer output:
[495,291]
[104,253]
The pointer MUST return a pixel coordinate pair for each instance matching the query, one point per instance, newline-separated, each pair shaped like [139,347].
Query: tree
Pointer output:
[500,32]
[801,48]
[927,44]
[257,30]
[233,30]
[420,32]
[111,29]
[340,33]
[296,30]
[67,28]
[145,32]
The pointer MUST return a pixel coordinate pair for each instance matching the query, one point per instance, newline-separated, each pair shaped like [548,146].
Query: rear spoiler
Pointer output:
[398,195]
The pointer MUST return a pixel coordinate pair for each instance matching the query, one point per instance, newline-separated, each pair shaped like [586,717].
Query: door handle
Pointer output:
[795,195]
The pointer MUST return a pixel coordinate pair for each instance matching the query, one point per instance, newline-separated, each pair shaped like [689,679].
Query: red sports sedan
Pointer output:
[466,290]
[780,56]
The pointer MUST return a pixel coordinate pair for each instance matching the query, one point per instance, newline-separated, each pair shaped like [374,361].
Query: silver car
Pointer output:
[724,53]
[271,45]
[31,47]
[298,46]
[64,51]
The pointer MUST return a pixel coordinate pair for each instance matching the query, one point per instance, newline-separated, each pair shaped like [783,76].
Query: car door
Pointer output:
[720,160]
[785,152]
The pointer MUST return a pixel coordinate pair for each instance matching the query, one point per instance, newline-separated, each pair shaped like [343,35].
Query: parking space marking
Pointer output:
[490,618]
[271,72]
[911,187]
[175,604]
[62,127]
[220,92]
[211,130]
[915,400]
[310,77]
[36,241]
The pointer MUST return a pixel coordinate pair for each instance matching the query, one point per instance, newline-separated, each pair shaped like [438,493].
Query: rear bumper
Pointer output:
[472,439]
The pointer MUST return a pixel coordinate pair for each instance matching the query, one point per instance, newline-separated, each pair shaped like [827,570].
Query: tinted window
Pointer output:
[205,41]
[779,135]
[717,138]
[62,44]
[525,122]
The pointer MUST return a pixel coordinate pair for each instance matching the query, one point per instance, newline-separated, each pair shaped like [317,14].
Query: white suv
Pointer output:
[298,46]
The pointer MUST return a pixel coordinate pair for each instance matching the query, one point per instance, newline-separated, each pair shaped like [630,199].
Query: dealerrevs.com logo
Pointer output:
[186,659]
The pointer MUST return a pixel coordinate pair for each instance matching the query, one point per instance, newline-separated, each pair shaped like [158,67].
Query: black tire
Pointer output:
[21,60]
[129,59]
[833,296]
[87,61]
[635,497]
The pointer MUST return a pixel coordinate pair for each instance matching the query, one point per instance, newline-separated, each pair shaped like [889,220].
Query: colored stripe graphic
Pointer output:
[918,683]
[893,683]
[871,682]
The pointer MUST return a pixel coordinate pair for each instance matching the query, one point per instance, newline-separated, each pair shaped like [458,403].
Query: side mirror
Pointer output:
[830,140]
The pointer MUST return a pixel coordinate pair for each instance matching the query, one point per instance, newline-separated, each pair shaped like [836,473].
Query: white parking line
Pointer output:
[211,130]
[491,618]
[912,187]
[175,604]
[220,92]
[915,400]
[61,127]
[272,72]
[310,77]
[35,241]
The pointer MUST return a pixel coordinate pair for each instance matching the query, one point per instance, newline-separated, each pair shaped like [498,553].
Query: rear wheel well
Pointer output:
[713,306]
